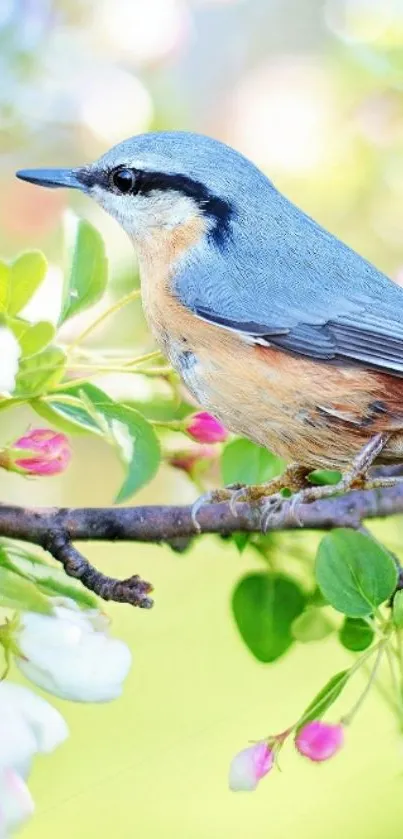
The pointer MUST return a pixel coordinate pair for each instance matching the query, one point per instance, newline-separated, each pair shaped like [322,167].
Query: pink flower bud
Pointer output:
[186,460]
[205,428]
[319,740]
[49,452]
[249,766]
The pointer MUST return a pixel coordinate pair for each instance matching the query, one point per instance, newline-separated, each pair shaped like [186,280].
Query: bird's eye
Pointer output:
[123,180]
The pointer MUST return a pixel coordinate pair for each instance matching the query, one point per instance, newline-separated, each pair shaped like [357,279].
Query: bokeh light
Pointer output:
[362,20]
[280,115]
[143,32]
[114,104]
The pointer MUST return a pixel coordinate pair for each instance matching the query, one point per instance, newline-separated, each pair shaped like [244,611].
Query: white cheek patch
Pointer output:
[139,214]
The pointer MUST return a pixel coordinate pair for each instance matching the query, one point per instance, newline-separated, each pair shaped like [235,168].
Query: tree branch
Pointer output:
[54,529]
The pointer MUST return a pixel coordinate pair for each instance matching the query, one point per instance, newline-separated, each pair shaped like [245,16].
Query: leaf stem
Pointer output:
[70,383]
[396,687]
[310,712]
[347,719]
[129,298]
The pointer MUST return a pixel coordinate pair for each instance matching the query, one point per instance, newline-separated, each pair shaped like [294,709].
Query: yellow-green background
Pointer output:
[312,90]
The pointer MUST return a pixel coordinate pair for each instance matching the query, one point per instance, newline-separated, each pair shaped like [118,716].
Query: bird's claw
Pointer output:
[207,498]
[232,494]
[237,496]
[272,508]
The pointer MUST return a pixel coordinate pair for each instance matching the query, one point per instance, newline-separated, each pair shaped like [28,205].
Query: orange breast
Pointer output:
[315,413]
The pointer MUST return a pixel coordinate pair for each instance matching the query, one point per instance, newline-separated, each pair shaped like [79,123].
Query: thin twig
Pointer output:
[133,590]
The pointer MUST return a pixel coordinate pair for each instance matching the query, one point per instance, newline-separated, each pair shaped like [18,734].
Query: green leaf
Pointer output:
[241,540]
[40,372]
[133,436]
[311,625]
[316,598]
[67,413]
[52,581]
[264,607]
[397,611]
[325,698]
[36,337]
[26,275]
[4,286]
[355,634]
[322,477]
[88,275]
[138,445]
[354,573]
[19,593]
[246,463]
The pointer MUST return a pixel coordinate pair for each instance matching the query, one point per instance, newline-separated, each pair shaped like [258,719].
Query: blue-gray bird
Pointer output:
[282,331]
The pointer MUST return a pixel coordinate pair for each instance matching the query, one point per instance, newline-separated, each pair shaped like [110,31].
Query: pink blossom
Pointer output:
[205,428]
[319,740]
[49,452]
[186,460]
[249,766]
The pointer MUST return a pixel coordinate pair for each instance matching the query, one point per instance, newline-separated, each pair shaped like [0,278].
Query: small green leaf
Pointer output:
[19,593]
[397,611]
[246,463]
[311,625]
[26,275]
[241,540]
[264,607]
[316,598]
[322,477]
[66,412]
[354,573]
[139,447]
[36,338]
[325,698]
[133,436]
[356,635]
[52,581]
[40,372]
[88,275]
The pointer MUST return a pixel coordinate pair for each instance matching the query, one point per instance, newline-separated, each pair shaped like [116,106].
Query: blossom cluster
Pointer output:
[68,653]
[317,740]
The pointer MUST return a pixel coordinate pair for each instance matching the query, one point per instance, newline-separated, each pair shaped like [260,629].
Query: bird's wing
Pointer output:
[296,287]
[370,341]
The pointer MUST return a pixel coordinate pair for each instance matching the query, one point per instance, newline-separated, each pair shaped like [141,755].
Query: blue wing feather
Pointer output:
[284,279]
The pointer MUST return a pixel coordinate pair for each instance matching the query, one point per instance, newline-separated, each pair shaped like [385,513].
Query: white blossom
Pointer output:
[28,725]
[10,352]
[249,766]
[71,654]
[16,803]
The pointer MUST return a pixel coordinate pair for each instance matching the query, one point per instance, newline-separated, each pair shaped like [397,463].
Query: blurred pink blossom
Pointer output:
[319,740]
[187,459]
[249,766]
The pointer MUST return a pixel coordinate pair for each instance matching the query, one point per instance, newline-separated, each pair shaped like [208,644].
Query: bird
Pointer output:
[275,326]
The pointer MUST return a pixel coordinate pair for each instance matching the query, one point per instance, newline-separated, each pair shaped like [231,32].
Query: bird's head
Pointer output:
[160,181]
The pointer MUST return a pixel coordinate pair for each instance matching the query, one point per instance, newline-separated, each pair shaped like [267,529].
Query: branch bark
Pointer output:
[54,529]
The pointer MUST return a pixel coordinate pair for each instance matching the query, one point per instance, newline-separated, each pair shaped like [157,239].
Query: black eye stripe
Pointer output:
[126,180]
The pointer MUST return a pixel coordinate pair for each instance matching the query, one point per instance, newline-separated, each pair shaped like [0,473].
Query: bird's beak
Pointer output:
[52,177]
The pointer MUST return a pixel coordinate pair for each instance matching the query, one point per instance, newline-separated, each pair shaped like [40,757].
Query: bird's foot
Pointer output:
[215,496]
[293,478]
[354,478]
[271,501]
